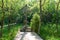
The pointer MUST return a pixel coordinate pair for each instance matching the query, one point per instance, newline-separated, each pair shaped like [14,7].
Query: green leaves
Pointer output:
[35,22]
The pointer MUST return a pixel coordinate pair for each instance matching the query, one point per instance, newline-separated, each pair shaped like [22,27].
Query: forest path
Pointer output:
[27,36]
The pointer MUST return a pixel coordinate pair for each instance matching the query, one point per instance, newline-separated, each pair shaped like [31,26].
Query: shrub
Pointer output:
[35,23]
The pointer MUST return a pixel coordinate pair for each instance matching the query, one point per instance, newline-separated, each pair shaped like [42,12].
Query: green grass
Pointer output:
[9,35]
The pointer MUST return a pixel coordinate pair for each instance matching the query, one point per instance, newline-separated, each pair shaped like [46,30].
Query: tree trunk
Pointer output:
[2,19]
[1,29]
[9,18]
[57,16]
[9,21]
[40,15]
[25,20]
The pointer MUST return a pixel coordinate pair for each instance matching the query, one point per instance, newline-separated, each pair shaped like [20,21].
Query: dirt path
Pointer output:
[27,36]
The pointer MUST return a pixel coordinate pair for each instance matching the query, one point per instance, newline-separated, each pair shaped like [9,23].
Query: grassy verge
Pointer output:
[9,35]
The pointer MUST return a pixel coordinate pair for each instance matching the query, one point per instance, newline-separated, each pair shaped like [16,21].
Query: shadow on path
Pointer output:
[23,35]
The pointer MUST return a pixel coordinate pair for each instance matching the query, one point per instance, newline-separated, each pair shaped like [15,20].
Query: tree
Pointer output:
[40,14]
[35,23]
[57,17]
[2,18]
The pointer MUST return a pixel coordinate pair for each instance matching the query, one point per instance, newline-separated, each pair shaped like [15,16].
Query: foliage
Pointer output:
[48,31]
[49,16]
[35,23]
[10,35]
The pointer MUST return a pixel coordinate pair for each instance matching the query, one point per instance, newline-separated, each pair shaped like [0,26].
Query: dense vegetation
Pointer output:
[35,23]
[23,11]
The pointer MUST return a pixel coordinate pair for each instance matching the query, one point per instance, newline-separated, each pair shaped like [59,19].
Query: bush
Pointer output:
[35,23]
